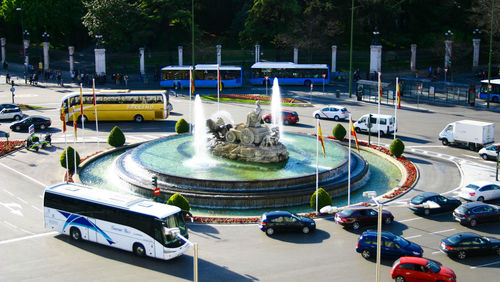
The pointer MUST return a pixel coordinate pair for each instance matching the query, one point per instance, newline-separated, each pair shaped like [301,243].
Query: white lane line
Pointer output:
[437,252]
[10,224]
[492,263]
[134,137]
[27,237]
[22,200]
[26,231]
[443,231]
[150,136]
[24,175]
[36,208]
[8,192]
[41,196]
[414,236]
[410,219]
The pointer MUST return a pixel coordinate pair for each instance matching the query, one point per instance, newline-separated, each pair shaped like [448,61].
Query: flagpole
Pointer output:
[74,144]
[349,165]
[396,107]
[317,162]
[95,112]
[218,87]
[83,119]
[66,143]
[378,110]
[190,91]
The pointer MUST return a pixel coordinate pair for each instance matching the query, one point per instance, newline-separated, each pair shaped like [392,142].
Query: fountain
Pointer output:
[276,116]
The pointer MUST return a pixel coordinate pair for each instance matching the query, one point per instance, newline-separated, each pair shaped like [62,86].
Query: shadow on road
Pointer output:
[314,237]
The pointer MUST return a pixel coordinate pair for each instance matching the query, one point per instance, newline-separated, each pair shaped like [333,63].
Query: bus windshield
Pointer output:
[174,221]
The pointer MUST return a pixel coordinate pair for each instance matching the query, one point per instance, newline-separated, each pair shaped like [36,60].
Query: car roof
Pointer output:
[466,235]
[413,260]
[374,233]
[427,194]
[335,106]
[288,111]
[474,204]
[277,213]
[480,183]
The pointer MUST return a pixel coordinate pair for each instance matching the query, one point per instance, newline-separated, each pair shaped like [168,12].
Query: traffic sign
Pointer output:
[31,130]
[12,89]
[445,69]
[156,191]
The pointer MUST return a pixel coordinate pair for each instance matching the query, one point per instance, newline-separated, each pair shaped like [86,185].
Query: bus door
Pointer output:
[92,231]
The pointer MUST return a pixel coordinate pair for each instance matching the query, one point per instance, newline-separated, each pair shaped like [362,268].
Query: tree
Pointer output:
[397,147]
[179,201]
[339,132]
[324,199]
[480,17]
[71,159]
[116,138]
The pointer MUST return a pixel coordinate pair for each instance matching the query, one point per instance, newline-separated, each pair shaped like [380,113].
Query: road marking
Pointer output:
[409,219]
[492,263]
[8,192]
[437,252]
[134,137]
[36,208]
[22,200]
[473,157]
[415,236]
[27,237]
[28,177]
[443,231]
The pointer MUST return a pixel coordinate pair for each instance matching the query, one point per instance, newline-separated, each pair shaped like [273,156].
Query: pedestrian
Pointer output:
[125,79]
[7,78]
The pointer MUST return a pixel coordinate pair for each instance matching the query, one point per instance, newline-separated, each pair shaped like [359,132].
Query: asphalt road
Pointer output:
[28,251]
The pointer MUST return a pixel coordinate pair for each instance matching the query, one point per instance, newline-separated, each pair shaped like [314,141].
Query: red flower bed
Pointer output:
[7,147]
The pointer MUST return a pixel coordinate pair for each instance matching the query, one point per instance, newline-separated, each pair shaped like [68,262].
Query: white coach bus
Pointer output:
[126,222]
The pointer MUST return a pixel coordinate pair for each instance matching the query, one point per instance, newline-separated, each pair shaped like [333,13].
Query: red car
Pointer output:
[420,269]
[289,117]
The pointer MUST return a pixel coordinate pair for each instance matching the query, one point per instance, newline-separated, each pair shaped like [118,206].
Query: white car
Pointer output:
[11,113]
[489,152]
[480,191]
[334,112]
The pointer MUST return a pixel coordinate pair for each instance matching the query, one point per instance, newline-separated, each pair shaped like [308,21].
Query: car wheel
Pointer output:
[286,122]
[317,116]
[305,230]
[473,222]
[17,117]
[357,130]
[43,126]
[472,146]
[388,220]
[75,234]
[366,254]
[336,118]
[484,156]
[480,199]
[400,279]
[495,99]
[382,133]
[269,231]
[139,250]
[138,118]
[17,128]
[427,212]
[268,120]
[461,255]
[355,225]
[445,142]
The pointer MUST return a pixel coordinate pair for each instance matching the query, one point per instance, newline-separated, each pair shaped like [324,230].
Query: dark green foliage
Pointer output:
[35,138]
[324,199]
[71,159]
[182,126]
[179,201]
[339,132]
[397,147]
[116,137]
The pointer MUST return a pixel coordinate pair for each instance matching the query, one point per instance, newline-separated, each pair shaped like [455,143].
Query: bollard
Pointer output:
[337,93]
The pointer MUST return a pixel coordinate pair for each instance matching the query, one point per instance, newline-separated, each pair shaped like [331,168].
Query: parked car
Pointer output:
[392,245]
[420,269]
[289,117]
[11,113]
[334,112]
[476,212]
[276,221]
[429,202]
[8,106]
[356,218]
[462,245]
[385,124]
[480,191]
[39,122]
[489,152]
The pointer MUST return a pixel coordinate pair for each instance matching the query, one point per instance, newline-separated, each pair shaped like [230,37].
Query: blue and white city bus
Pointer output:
[289,73]
[494,91]
[113,219]
[205,76]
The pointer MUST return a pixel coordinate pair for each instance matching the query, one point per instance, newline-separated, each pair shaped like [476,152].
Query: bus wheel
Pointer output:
[138,118]
[307,83]
[139,250]
[83,118]
[75,234]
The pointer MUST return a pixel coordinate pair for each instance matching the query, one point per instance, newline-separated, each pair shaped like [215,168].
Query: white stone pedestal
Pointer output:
[413,60]
[141,61]
[71,51]
[447,54]
[475,60]
[100,61]
[179,54]
[334,58]
[46,55]
[257,53]
[295,55]
[3,41]
[375,58]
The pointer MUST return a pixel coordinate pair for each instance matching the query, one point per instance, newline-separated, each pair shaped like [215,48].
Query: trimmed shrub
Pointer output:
[116,137]
[182,126]
[71,159]
[324,199]
[339,132]
[397,147]
[179,201]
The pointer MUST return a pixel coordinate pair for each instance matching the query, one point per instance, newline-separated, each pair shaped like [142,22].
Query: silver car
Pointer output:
[11,113]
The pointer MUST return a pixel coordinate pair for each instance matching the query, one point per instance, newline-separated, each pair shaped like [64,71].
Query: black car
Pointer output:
[430,202]
[285,221]
[462,245]
[356,218]
[9,106]
[39,122]
[475,212]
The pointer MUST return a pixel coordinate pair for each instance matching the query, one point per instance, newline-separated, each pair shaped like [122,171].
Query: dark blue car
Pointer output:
[476,212]
[285,221]
[392,246]
[430,202]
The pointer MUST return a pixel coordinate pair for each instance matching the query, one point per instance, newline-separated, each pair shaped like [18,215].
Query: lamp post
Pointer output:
[373,195]
[447,54]
[476,42]
[46,38]
[26,45]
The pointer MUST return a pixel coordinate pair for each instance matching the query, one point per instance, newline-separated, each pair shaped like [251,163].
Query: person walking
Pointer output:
[7,78]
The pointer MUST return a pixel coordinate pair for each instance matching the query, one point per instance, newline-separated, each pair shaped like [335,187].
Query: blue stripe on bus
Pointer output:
[202,83]
[77,220]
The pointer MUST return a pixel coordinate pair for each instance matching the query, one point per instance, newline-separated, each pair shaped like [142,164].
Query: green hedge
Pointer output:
[71,159]
[339,132]
[116,138]
[179,201]
[182,126]
[324,199]
[397,147]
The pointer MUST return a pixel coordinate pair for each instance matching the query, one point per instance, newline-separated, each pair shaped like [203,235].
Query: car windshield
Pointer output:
[401,242]
[347,212]
[418,199]
[462,210]
[472,186]
[432,266]
[454,239]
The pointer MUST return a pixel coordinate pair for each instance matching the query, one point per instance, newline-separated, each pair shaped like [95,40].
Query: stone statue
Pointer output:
[254,118]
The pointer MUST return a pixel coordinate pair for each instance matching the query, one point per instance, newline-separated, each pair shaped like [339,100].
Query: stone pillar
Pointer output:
[219,54]
[447,54]
[26,45]
[413,60]
[334,58]
[295,55]
[475,60]
[179,53]
[71,51]
[257,53]
[3,41]
[46,55]
[375,58]
[100,61]
[141,61]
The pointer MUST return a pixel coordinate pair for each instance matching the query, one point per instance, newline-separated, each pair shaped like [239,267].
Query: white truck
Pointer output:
[470,133]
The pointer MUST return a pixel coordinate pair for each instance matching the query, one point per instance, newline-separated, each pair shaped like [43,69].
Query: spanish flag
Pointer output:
[75,125]
[219,82]
[379,87]
[191,78]
[398,93]
[63,118]
[81,101]
[320,138]
[353,133]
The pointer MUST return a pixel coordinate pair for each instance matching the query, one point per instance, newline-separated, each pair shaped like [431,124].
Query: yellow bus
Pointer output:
[117,105]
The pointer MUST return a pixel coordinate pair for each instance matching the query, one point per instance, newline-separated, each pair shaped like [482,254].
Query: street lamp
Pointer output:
[476,33]
[45,36]
[373,195]
[448,42]
[98,43]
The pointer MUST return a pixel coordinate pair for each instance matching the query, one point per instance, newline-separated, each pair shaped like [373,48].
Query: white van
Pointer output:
[386,124]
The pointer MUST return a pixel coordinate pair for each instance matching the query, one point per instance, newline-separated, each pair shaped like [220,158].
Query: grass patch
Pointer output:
[263,100]
[30,107]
